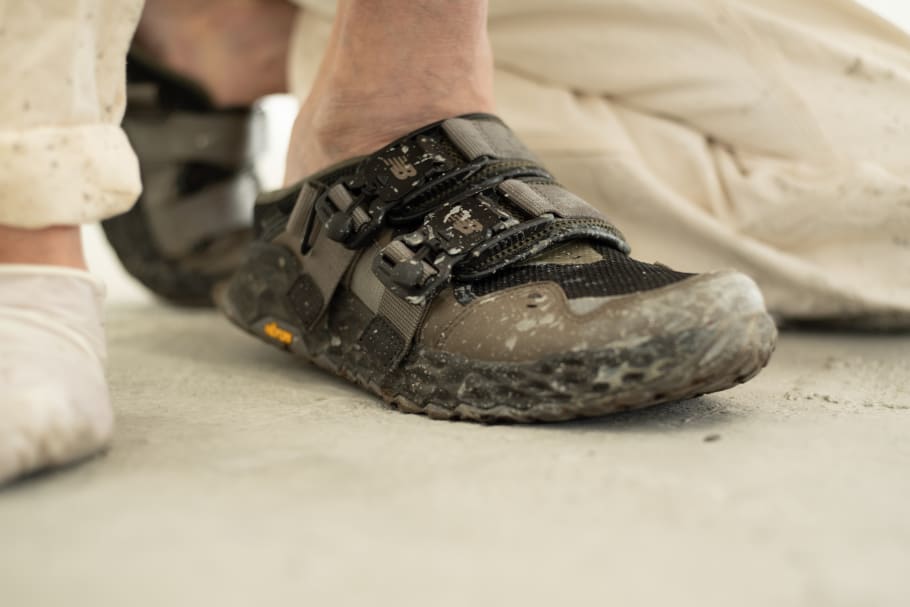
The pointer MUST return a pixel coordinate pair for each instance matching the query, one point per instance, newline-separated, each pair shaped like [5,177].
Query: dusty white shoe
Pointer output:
[54,403]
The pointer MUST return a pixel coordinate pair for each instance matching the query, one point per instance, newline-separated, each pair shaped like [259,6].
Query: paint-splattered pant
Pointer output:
[63,157]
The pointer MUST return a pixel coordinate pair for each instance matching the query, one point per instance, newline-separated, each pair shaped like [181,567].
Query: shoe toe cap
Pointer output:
[537,320]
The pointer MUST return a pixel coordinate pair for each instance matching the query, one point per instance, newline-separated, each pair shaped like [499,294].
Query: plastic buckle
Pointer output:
[381,183]
[409,268]
[337,221]
[415,266]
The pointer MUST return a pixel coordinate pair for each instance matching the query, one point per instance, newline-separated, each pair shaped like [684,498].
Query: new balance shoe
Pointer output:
[450,274]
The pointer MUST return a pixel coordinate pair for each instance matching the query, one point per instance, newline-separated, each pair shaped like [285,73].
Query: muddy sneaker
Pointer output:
[190,226]
[451,275]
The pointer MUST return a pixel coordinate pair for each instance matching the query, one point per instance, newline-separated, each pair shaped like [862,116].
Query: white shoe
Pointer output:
[54,402]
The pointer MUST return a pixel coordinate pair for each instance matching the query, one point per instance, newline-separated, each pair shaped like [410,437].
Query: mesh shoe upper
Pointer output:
[615,274]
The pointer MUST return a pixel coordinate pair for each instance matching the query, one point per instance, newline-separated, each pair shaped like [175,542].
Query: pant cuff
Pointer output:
[66,175]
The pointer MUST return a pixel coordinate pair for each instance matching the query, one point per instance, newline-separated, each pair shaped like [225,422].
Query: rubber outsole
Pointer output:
[623,377]
[635,373]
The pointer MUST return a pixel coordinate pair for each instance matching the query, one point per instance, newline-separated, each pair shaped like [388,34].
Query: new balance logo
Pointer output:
[461,220]
[400,167]
[467,226]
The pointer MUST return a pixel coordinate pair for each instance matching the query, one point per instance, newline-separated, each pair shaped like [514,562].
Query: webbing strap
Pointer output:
[197,167]
[405,317]
[229,140]
[179,223]
[324,265]
[540,199]
[301,219]
[462,175]
[478,137]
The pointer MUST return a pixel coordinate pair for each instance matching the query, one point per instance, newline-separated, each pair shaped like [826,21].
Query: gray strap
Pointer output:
[326,263]
[364,283]
[166,140]
[485,137]
[388,337]
[340,196]
[342,199]
[177,224]
[224,139]
[324,267]
[540,199]
[302,212]
[404,316]
[143,95]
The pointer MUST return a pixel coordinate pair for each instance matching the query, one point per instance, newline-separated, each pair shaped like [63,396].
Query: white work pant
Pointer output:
[768,135]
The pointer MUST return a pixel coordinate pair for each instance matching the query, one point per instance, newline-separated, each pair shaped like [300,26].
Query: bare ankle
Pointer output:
[388,71]
[329,130]
[55,246]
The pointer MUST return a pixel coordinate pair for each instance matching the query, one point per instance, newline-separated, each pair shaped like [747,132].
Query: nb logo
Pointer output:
[401,168]
[465,224]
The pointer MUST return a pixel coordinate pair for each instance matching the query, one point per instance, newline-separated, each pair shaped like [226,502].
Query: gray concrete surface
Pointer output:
[240,476]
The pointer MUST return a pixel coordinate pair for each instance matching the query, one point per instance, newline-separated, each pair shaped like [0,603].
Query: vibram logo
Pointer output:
[277,333]
[401,168]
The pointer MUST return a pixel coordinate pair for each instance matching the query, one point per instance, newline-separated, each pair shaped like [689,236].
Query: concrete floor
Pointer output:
[240,476]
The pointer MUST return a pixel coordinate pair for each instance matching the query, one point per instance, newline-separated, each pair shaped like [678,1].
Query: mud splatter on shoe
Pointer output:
[450,274]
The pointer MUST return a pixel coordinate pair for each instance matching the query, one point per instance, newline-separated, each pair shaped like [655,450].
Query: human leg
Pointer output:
[447,271]
[388,68]
[64,161]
